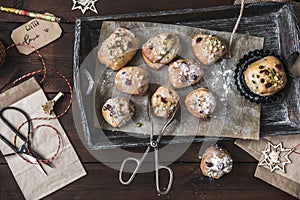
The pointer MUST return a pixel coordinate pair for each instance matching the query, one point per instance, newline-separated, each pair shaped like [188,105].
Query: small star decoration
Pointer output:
[276,157]
[85,5]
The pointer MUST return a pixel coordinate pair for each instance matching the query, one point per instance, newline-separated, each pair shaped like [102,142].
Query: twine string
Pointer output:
[294,148]
[235,27]
[44,71]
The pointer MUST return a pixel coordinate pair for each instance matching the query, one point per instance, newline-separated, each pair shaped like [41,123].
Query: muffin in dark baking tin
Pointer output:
[257,79]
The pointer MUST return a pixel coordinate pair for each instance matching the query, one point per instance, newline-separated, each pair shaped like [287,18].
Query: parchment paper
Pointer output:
[289,181]
[234,116]
[28,96]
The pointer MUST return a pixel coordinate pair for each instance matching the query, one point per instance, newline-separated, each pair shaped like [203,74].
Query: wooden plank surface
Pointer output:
[102,181]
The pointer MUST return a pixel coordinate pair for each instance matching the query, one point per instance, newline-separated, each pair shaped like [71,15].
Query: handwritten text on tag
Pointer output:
[37,33]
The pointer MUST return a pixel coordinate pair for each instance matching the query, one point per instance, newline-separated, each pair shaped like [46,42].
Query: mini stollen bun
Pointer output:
[215,162]
[2,54]
[161,49]
[265,76]
[132,80]
[117,111]
[200,103]
[208,48]
[118,49]
[164,101]
[184,72]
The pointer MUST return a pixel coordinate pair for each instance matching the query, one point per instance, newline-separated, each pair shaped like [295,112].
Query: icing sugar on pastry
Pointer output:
[161,49]
[216,162]
[117,111]
[118,49]
[200,103]
[132,80]
[183,73]
[208,48]
[164,101]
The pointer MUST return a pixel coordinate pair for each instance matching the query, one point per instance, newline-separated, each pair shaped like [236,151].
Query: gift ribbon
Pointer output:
[44,71]
[294,148]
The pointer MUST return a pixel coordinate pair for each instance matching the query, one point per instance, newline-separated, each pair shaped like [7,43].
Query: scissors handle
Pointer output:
[138,166]
[15,149]
[22,137]
[22,149]
[159,167]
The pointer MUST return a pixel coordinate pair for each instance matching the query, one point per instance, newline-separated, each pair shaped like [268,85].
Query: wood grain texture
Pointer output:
[102,181]
[104,7]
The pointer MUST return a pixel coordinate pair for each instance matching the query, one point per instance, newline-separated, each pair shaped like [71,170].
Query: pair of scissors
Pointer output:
[31,156]
[152,144]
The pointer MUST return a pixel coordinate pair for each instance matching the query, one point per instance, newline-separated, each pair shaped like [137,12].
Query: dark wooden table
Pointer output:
[102,182]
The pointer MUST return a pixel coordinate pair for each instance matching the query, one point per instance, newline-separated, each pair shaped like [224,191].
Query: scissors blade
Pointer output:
[24,150]
[36,164]
[35,154]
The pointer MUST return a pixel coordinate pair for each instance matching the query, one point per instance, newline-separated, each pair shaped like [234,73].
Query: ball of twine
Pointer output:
[2,54]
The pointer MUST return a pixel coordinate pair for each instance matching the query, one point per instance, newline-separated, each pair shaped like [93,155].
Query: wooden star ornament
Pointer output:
[85,5]
[276,157]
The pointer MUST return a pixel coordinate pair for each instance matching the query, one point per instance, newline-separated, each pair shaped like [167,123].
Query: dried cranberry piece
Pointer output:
[209,164]
[118,43]
[265,71]
[278,67]
[108,107]
[128,82]
[194,76]
[268,85]
[183,62]
[151,47]
[129,44]
[169,37]
[163,100]
[112,113]
[199,39]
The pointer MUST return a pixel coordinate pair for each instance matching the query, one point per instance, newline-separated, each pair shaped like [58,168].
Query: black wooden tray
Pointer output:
[276,22]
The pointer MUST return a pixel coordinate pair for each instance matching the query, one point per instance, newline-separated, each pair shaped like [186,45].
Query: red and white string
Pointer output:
[294,148]
[44,70]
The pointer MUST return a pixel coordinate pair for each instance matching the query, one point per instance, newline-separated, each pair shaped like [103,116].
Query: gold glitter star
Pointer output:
[85,5]
[48,107]
[275,157]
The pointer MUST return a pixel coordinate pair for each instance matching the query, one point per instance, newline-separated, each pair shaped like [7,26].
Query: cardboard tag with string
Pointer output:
[36,32]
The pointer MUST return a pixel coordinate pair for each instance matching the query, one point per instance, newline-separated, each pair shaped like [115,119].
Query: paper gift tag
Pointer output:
[36,32]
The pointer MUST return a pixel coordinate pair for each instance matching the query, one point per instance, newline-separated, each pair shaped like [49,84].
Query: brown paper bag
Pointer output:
[289,181]
[28,96]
